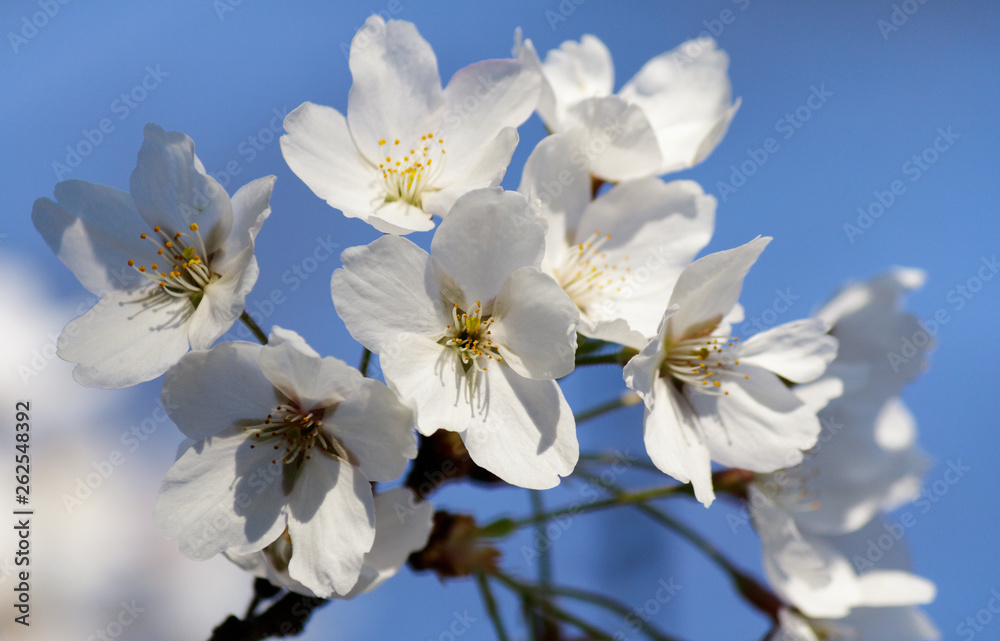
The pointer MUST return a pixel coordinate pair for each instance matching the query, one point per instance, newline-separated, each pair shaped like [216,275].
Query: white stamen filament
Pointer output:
[298,432]
[406,173]
[188,273]
[585,273]
[704,363]
[469,336]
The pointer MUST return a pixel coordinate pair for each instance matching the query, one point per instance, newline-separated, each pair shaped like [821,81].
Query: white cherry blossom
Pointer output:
[619,255]
[408,148]
[708,397]
[473,333]
[282,442]
[172,261]
[868,460]
[822,576]
[669,116]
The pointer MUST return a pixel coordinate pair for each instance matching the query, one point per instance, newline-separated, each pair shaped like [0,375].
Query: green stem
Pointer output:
[758,596]
[625,400]
[614,358]
[625,499]
[491,607]
[545,559]
[595,598]
[586,345]
[366,358]
[612,459]
[551,608]
[620,358]
[663,518]
[254,327]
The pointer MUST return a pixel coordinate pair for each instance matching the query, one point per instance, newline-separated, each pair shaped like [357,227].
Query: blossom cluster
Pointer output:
[593,251]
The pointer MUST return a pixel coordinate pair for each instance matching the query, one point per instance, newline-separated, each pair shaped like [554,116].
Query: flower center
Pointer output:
[298,432]
[406,172]
[469,335]
[705,363]
[184,272]
[585,274]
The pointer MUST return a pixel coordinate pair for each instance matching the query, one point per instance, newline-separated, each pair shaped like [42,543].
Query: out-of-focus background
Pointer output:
[892,76]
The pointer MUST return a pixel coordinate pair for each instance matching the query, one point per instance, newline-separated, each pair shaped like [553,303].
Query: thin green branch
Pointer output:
[665,519]
[545,558]
[491,606]
[758,596]
[254,327]
[619,358]
[366,358]
[625,400]
[614,358]
[508,525]
[594,598]
[605,458]
[551,608]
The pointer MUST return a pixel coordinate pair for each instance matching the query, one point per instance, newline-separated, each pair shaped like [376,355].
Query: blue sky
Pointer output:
[863,141]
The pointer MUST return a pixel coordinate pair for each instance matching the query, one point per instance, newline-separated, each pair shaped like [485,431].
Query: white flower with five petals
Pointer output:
[619,255]
[868,462]
[669,116]
[173,261]
[708,398]
[283,443]
[822,575]
[473,333]
[386,162]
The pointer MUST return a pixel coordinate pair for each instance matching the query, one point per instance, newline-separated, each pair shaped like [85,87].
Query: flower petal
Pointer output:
[485,168]
[222,495]
[898,624]
[377,429]
[222,301]
[805,571]
[674,441]
[126,338]
[402,527]
[535,325]
[430,376]
[575,72]
[331,521]
[652,230]
[867,318]
[523,430]
[620,142]
[171,189]
[709,288]
[687,96]
[251,207]
[396,93]
[488,234]
[484,98]
[799,351]
[559,189]
[94,230]
[643,370]
[759,425]
[887,588]
[386,288]
[309,381]
[210,391]
[319,148]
